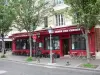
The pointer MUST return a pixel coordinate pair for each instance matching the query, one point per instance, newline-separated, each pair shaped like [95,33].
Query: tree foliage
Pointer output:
[85,12]
[30,13]
[6,17]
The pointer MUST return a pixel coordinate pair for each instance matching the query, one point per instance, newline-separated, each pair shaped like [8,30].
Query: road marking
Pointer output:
[30,64]
[2,71]
[50,66]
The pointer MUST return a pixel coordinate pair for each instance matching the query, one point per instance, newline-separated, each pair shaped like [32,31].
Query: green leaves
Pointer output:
[29,13]
[85,12]
[6,18]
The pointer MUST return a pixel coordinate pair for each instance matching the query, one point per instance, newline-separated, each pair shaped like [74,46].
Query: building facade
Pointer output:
[66,38]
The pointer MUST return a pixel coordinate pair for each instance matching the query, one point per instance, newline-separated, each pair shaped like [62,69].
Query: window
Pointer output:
[78,42]
[22,44]
[46,21]
[59,20]
[41,45]
[58,2]
[17,44]
[55,43]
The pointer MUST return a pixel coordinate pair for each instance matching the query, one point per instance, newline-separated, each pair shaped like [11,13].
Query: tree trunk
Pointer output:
[34,49]
[3,44]
[30,43]
[87,46]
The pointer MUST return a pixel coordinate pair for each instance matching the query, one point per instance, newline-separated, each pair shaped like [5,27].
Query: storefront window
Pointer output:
[22,44]
[78,42]
[55,43]
[56,2]
[41,45]
[18,44]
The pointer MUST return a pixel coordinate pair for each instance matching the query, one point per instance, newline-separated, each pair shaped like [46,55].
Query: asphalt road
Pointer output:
[17,68]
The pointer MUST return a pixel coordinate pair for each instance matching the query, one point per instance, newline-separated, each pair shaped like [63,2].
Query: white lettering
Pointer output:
[21,35]
[69,30]
[74,30]
[65,30]
[59,31]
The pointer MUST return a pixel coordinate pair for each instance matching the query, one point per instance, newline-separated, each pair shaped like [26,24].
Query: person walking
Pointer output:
[38,54]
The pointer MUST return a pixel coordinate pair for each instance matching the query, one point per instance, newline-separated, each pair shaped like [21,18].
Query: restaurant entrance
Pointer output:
[65,46]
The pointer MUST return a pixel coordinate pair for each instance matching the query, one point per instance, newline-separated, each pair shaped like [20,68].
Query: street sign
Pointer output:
[34,37]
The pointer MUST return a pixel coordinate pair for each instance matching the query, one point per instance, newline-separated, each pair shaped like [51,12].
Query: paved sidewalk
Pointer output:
[61,62]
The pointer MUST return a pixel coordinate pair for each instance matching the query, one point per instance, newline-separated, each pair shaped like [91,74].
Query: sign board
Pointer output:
[34,37]
[66,30]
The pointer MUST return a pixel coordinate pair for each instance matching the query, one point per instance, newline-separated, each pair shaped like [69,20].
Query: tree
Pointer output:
[29,14]
[86,13]
[6,19]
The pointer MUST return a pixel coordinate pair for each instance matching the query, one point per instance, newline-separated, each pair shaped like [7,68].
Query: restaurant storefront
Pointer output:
[65,40]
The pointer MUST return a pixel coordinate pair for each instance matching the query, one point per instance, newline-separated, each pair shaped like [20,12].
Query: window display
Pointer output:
[40,44]
[78,42]
[22,44]
[55,43]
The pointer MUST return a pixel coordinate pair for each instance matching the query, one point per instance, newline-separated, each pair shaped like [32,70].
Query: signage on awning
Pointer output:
[65,30]
[21,36]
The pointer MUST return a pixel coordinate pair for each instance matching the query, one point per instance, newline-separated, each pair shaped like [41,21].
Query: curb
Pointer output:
[61,66]
[76,68]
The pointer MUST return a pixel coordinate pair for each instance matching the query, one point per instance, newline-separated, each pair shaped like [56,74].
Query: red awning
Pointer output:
[59,30]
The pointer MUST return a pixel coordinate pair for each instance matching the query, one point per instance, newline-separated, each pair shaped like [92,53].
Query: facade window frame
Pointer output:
[59,20]
[23,44]
[55,43]
[78,42]
[58,2]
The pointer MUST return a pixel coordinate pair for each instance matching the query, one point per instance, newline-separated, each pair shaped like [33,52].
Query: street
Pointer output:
[17,68]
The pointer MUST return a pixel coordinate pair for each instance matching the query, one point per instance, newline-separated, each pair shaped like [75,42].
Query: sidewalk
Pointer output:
[60,62]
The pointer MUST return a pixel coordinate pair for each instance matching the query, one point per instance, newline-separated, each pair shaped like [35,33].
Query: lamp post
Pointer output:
[50,30]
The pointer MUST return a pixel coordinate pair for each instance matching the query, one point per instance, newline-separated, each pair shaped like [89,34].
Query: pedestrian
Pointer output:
[4,51]
[38,54]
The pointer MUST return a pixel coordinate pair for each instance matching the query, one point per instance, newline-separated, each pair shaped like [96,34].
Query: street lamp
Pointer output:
[50,30]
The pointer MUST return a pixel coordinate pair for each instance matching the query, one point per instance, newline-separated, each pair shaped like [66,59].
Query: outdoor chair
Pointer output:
[92,54]
[73,55]
[45,55]
[82,55]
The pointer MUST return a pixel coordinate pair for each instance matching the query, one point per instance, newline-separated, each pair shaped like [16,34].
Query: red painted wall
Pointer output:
[13,45]
[62,35]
